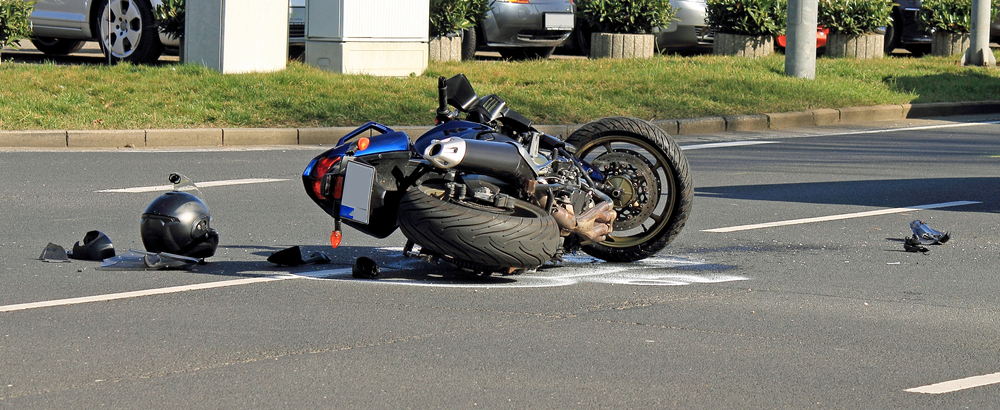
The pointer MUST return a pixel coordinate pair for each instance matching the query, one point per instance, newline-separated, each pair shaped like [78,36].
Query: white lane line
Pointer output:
[200,185]
[839,217]
[956,385]
[725,144]
[172,289]
[920,128]
[147,292]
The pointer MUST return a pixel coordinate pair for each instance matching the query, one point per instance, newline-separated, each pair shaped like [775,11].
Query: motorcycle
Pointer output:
[487,192]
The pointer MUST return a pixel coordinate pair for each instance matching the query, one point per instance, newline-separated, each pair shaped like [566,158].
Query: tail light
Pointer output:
[319,172]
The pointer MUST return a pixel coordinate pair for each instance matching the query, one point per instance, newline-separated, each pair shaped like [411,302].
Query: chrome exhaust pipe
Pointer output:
[499,159]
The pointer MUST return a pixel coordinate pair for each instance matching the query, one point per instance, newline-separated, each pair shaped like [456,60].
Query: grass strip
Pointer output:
[81,97]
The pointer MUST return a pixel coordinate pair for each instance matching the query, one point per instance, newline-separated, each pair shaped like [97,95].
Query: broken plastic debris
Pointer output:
[926,235]
[53,253]
[365,268]
[96,247]
[293,257]
[139,260]
[912,244]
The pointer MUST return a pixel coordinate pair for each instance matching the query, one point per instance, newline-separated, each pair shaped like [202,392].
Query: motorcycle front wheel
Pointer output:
[478,236]
[651,180]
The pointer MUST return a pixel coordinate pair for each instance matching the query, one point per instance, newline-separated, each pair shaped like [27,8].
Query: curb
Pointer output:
[213,137]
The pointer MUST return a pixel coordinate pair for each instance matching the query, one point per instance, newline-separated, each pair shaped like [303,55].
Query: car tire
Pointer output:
[526,53]
[469,45]
[57,46]
[128,31]
[893,33]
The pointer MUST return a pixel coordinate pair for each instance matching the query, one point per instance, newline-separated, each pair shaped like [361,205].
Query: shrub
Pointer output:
[747,17]
[14,23]
[854,17]
[170,18]
[625,16]
[951,16]
[452,16]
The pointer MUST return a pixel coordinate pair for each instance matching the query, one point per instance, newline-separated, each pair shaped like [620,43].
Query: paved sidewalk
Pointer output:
[205,137]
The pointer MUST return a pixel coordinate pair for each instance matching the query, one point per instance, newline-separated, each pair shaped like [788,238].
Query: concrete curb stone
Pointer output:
[745,122]
[190,137]
[33,139]
[105,138]
[330,135]
[700,125]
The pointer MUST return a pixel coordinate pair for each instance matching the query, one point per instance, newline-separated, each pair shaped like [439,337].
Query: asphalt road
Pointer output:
[829,314]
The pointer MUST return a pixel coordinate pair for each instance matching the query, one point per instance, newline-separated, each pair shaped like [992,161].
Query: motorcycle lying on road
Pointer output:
[490,193]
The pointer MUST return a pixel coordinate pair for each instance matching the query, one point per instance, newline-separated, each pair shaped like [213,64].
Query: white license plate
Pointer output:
[357,195]
[559,21]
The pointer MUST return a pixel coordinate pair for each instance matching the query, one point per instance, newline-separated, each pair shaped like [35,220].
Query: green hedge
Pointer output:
[951,16]
[748,17]
[854,17]
[452,16]
[14,23]
[625,16]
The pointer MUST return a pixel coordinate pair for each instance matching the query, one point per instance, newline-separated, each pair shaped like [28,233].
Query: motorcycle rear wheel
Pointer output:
[477,236]
[654,181]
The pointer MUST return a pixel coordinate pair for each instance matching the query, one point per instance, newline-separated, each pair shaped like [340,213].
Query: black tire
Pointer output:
[57,46]
[469,45]
[655,181]
[130,34]
[893,33]
[525,239]
[526,53]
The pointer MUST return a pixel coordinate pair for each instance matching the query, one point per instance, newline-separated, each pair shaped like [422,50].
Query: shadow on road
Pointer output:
[874,193]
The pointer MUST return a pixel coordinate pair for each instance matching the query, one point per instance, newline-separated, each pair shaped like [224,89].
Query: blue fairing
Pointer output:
[391,141]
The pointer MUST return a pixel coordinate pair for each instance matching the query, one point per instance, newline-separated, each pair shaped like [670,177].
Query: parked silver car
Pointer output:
[522,28]
[688,30]
[125,29]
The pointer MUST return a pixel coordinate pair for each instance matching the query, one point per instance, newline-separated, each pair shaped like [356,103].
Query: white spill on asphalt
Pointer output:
[575,269]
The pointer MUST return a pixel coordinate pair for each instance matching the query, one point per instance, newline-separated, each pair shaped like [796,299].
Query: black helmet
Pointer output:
[178,223]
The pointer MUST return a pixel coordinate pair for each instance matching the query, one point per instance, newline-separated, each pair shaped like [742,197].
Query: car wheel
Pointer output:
[892,33]
[128,31]
[57,46]
[526,53]
[469,45]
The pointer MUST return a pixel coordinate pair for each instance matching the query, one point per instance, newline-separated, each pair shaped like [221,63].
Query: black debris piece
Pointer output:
[53,253]
[912,244]
[96,246]
[365,268]
[293,257]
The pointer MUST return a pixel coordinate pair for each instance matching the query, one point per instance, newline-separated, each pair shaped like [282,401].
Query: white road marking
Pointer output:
[725,144]
[839,217]
[574,270]
[139,293]
[920,128]
[956,385]
[159,188]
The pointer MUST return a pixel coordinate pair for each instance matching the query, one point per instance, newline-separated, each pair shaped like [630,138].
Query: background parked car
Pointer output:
[688,31]
[907,34]
[904,31]
[522,28]
[127,31]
